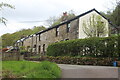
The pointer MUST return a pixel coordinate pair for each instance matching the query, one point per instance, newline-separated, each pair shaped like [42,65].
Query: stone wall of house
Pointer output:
[66,31]
[74,30]
[27,43]
[50,36]
[34,43]
[19,43]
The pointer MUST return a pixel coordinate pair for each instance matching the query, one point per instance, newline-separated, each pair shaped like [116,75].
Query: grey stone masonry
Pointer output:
[61,33]
[66,30]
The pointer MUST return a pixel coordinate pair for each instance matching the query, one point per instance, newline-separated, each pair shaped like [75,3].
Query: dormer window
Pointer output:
[68,27]
[57,31]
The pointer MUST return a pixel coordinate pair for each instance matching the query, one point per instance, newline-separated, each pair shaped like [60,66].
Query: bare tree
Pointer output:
[2,5]
[51,21]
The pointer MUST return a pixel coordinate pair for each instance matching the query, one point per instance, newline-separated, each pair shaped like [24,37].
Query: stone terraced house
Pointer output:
[66,30]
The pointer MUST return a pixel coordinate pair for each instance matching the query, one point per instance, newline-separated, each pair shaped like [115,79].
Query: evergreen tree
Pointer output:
[10,39]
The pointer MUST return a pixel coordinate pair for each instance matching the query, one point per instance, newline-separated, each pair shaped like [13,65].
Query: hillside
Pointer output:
[9,39]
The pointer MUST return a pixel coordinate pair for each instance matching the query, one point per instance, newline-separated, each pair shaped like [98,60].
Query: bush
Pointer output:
[94,47]
[22,47]
[23,52]
[82,61]
[27,69]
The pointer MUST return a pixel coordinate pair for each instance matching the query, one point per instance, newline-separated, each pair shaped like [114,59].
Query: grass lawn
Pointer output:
[27,69]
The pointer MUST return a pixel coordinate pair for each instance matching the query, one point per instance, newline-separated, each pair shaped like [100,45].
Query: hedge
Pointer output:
[78,60]
[94,47]
[82,61]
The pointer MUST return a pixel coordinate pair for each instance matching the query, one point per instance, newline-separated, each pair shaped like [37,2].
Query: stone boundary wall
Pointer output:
[11,56]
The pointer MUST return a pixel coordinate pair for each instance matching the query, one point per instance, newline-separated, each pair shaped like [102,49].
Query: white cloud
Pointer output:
[40,10]
[14,26]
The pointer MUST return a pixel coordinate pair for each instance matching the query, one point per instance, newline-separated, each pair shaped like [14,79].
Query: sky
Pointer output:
[30,13]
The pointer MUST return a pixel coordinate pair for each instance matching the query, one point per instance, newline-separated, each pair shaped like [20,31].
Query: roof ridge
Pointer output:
[70,20]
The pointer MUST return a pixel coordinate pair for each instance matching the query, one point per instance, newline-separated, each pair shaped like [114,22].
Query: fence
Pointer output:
[18,56]
[11,56]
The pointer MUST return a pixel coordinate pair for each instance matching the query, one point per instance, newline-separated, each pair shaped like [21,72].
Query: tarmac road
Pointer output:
[80,71]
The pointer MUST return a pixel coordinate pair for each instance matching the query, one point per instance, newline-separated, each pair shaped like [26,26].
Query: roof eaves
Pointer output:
[72,20]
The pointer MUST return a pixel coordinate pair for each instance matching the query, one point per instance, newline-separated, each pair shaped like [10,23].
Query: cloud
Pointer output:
[41,10]
[33,9]
[14,26]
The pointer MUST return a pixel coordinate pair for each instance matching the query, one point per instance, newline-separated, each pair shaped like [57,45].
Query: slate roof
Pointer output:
[72,20]
[68,22]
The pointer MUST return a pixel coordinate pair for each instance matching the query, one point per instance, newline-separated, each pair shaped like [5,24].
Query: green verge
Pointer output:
[26,69]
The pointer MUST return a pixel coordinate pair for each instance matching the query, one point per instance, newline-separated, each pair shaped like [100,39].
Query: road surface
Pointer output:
[80,71]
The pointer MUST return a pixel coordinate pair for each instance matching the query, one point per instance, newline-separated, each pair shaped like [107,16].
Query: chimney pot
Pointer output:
[64,13]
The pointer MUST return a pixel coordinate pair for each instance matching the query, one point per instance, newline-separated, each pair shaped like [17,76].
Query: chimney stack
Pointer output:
[64,17]
[64,13]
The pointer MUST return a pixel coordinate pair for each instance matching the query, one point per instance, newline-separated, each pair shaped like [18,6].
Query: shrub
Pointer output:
[46,69]
[27,69]
[94,47]
[52,68]
[24,52]
[82,60]
[22,47]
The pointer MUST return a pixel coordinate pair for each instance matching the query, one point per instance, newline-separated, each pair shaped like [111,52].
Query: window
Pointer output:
[66,39]
[43,48]
[39,37]
[68,27]
[57,31]
[39,50]
[34,48]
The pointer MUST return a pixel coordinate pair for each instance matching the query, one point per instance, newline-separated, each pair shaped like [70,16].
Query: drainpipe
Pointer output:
[31,44]
[36,44]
